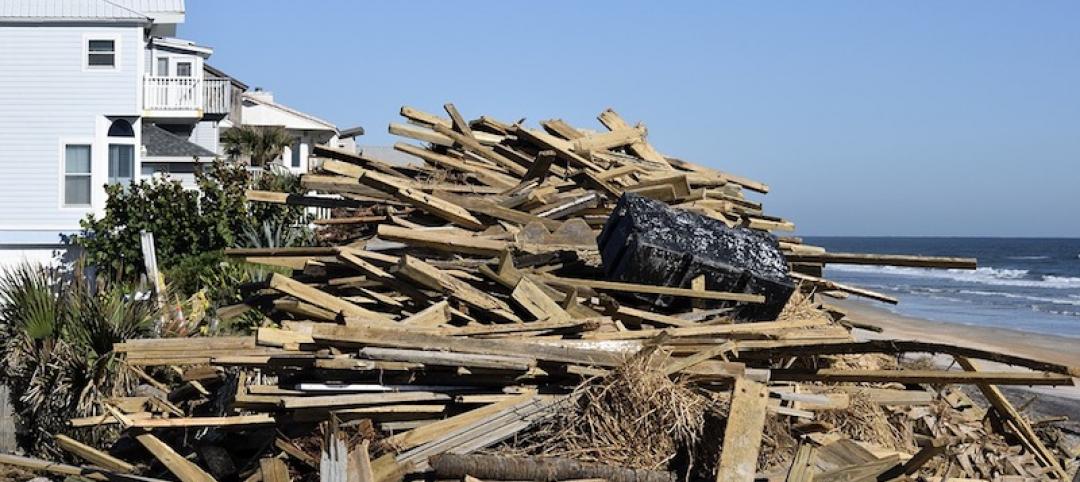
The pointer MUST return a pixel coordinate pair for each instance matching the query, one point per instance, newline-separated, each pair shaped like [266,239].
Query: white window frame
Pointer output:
[115,38]
[62,194]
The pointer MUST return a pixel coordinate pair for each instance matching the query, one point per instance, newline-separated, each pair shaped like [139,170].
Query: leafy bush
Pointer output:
[58,334]
[184,222]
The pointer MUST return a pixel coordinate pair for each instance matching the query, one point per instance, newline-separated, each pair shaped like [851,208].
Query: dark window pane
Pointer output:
[77,190]
[102,60]
[121,128]
[183,69]
[77,159]
[102,46]
[121,162]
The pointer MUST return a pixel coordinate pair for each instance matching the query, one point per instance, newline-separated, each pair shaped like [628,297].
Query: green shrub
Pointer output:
[185,223]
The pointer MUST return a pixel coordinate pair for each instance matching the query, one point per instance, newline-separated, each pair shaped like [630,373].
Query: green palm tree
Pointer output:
[261,144]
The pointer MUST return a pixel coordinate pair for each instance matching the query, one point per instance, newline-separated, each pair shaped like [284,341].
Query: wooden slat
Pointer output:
[652,289]
[920,376]
[742,436]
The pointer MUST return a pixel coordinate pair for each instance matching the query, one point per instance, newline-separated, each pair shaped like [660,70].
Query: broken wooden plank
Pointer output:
[322,299]
[177,464]
[652,289]
[884,260]
[920,376]
[742,436]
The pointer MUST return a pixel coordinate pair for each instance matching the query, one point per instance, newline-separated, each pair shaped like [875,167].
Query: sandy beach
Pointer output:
[1057,349]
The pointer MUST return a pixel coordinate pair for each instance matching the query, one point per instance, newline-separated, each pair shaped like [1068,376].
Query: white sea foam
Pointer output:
[985,275]
[1028,257]
[1072,300]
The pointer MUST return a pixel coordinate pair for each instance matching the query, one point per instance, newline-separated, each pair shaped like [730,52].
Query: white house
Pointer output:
[101,91]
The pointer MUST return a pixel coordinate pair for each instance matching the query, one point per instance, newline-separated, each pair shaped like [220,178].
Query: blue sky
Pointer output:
[865,118]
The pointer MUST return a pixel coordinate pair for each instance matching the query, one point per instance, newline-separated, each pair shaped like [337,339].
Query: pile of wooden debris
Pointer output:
[466,324]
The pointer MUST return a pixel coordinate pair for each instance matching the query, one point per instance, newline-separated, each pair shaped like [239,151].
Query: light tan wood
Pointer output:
[432,316]
[322,299]
[922,376]
[742,436]
[530,297]
[273,470]
[93,455]
[432,277]
[177,464]
[660,290]
[442,241]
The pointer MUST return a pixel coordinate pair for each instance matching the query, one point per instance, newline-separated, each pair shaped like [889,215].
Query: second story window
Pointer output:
[101,54]
[183,69]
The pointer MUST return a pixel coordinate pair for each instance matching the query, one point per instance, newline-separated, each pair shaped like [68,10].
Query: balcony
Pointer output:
[185,97]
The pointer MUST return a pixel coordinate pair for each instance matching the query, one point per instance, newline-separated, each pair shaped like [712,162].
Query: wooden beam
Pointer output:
[177,464]
[93,455]
[1016,420]
[884,260]
[322,299]
[766,349]
[273,469]
[427,341]
[441,240]
[832,285]
[919,376]
[652,289]
[742,436]
[92,473]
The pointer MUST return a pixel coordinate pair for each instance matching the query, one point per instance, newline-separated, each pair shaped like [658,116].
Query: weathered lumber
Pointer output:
[425,341]
[177,464]
[273,470]
[433,278]
[498,467]
[427,357]
[443,241]
[752,349]
[884,260]
[530,297]
[322,299]
[920,376]
[92,473]
[187,422]
[832,285]
[354,400]
[1015,419]
[660,290]
[742,436]
[93,455]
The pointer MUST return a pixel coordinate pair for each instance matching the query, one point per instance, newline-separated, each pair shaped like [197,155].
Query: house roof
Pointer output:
[162,143]
[259,109]
[161,11]
[182,45]
[69,11]
[216,72]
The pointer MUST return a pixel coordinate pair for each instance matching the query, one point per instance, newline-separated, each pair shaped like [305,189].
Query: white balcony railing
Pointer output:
[186,94]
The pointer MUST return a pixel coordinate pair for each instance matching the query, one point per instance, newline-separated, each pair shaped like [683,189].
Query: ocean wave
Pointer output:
[985,275]
[1074,301]
[1052,311]
[1027,257]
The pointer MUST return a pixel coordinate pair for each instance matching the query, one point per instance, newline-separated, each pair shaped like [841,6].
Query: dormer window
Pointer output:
[101,53]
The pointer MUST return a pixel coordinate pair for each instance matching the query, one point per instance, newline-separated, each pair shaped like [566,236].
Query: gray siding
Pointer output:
[205,134]
[47,97]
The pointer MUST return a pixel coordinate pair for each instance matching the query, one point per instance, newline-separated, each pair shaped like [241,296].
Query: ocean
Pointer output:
[1025,284]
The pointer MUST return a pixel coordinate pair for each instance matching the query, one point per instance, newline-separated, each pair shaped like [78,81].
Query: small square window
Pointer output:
[183,69]
[163,66]
[77,184]
[101,53]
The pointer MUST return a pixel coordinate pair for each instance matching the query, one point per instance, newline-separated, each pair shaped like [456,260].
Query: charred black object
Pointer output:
[645,241]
